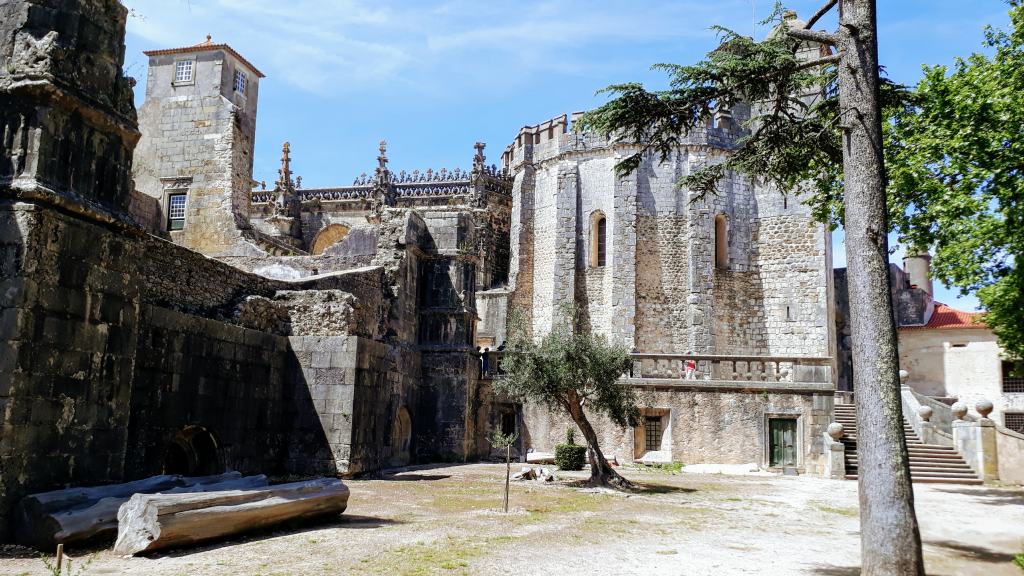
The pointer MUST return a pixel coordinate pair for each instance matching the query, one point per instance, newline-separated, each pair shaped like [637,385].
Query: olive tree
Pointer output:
[575,372]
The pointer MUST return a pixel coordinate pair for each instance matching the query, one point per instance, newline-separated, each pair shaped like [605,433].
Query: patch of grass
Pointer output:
[667,468]
[841,511]
[1019,561]
[450,555]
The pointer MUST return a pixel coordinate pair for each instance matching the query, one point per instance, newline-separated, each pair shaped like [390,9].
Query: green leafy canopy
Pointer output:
[568,365]
[953,147]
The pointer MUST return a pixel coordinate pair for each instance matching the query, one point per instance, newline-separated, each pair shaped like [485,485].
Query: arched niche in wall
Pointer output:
[327,237]
[401,438]
[722,242]
[194,451]
[598,252]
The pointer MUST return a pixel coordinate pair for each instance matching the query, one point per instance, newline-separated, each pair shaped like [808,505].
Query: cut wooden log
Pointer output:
[150,522]
[76,515]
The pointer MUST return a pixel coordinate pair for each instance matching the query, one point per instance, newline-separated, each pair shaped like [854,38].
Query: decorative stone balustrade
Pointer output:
[761,369]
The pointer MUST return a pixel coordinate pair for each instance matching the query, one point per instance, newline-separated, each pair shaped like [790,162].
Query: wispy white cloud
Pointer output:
[337,46]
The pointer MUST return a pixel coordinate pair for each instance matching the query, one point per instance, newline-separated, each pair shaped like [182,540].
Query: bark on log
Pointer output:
[76,515]
[150,522]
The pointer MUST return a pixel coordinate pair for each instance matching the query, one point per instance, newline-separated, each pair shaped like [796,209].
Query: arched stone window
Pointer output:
[721,242]
[328,237]
[598,239]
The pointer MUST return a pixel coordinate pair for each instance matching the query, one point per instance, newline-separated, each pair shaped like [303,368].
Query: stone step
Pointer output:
[965,481]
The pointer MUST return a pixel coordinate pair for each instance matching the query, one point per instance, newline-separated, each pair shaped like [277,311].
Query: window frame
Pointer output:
[1014,420]
[1011,384]
[178,64]
[241,75]
[171,219]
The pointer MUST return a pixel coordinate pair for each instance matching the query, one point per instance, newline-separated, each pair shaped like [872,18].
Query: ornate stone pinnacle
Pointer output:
[479,159]
[382,160]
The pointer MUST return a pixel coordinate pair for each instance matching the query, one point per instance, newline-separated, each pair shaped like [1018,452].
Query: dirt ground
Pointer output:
[447,520]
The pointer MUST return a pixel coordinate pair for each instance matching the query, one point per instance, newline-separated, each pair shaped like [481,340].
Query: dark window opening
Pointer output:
[652,433]
[602,232]
[1013,377]
[1014,421]
[508,423]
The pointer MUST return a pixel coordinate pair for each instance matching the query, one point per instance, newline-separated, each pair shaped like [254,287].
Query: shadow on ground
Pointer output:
[975,553]
[992,496]
[344,521]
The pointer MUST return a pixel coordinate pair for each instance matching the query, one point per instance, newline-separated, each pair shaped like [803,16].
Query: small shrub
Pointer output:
[1019,561]
[569,456]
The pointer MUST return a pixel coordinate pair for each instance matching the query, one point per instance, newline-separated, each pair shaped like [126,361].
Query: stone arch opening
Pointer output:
[328,237]
[598,239]
[193,452]
[401,438]
[721,242]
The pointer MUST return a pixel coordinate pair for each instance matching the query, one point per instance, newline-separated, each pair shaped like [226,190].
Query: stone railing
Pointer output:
[732,368]
[335,194]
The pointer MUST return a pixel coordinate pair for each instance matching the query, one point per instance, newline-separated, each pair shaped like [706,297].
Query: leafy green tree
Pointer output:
[956,176]
[574,372]
[817,103]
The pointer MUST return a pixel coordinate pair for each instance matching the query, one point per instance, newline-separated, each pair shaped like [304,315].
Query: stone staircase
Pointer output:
[928,462]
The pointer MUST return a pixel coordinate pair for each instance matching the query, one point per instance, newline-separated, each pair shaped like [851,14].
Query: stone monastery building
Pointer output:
[161,312]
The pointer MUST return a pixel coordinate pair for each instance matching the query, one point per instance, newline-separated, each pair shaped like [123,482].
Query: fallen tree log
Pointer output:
[76,515]
[148,522]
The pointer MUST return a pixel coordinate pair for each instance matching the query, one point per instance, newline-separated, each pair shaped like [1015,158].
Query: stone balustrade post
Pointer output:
[976,440]
[835,452]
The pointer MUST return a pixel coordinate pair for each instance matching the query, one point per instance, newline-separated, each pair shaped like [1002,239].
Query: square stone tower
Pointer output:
[195,157]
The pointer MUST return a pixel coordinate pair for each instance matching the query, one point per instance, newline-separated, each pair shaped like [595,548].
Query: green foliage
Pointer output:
[502,441]
[956,180]
[570,436]
[69,566]
[570,456]
[568,366]
[1018,560]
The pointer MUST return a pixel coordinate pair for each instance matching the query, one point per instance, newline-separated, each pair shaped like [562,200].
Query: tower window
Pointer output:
[721,242]
[176,212]
[183,71]
[241,81]
[598,240]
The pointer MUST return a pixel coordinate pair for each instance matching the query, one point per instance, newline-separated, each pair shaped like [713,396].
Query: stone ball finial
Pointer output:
[904,377]
[959,410]
[835,430]
[925,412]
[984,407]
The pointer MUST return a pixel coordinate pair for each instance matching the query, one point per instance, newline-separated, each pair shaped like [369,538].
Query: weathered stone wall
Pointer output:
[69,301]
[193,371]
[703,427]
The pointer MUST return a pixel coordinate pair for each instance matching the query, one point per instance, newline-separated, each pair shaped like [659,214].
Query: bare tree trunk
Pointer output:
[508,472]
[890,539]
[601,472]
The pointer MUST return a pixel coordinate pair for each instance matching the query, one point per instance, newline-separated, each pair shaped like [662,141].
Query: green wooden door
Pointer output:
[782,434]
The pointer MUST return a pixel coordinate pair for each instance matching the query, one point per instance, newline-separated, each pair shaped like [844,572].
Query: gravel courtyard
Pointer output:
[447,520]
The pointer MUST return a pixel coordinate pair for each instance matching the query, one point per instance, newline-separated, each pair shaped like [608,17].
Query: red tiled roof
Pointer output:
[203,47]
[946,318]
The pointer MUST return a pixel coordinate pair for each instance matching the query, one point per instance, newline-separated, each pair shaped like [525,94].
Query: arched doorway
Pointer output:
[193,452]
[327,237]
[401,438]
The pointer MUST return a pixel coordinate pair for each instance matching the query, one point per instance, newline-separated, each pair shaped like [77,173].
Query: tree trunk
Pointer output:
[81,514]
[601,472]
[154,521]
[508,472]
[890,539]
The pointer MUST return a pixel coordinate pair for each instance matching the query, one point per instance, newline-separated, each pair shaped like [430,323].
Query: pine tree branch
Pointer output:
[813,36]
[833,59]
[821,12]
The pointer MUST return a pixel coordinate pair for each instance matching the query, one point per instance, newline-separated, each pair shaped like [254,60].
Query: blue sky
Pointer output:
[433,77]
